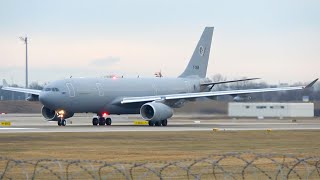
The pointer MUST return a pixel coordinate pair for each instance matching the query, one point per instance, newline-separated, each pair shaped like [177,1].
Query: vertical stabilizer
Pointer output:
[198,63]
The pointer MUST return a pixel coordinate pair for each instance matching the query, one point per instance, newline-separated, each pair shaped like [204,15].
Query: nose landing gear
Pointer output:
[61,121]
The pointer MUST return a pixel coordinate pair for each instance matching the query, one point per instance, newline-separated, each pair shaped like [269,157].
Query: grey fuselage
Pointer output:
[99,95]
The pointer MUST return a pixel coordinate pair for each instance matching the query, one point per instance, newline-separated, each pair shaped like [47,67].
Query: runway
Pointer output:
[24,123]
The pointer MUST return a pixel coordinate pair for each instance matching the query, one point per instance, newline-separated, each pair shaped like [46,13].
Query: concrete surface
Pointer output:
[82,123]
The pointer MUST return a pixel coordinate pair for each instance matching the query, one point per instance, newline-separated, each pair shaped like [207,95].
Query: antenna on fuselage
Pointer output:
[158,74]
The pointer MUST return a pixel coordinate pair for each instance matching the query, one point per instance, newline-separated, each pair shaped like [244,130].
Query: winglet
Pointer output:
[4,83]
[312,83]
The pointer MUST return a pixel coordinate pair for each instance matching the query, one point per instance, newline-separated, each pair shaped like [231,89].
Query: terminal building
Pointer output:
[264,109]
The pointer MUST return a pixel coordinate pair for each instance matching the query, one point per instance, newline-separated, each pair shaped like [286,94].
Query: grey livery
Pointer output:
[152,98]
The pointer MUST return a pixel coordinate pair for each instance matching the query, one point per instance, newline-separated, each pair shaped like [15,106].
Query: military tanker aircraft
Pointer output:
[152,98]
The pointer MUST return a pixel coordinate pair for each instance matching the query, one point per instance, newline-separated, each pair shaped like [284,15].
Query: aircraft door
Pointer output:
[100,89]
[155,91]
[71,90]
[188,86]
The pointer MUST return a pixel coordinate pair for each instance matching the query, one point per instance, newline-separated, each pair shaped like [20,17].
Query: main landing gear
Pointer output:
[101,121]
[158,123]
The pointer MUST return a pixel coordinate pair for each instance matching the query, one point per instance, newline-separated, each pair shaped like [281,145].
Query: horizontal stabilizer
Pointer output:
[223,82]
[4,83]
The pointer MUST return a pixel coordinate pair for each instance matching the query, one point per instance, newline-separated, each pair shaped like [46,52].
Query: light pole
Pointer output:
[25,40]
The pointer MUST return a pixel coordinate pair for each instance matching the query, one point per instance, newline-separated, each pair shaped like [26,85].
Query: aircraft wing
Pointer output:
[22,90]
[127,100]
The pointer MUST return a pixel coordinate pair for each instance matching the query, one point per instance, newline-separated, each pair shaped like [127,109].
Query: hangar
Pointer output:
[264,109]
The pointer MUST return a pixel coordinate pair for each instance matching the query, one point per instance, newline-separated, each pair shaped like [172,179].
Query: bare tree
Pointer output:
[35,85]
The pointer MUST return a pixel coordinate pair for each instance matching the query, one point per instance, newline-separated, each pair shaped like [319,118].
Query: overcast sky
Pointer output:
[277,40]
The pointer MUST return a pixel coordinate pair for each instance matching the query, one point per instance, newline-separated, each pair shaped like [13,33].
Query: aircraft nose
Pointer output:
[43,98]
[46,100]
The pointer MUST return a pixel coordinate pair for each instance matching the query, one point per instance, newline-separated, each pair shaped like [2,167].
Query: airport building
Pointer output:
[264,109]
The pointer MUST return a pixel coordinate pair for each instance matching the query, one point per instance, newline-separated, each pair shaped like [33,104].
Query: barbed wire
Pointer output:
[216,166]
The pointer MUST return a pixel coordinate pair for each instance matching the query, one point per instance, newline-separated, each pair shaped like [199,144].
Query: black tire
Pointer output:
[63,122]
[102,121]
[158,123]
[164,122]
[59,122]
[151,123]
[108,121]
[95,121]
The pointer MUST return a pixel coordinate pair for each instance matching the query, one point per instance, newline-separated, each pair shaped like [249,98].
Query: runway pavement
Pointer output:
[22,123]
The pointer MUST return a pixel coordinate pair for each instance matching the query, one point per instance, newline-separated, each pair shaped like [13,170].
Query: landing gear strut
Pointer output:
[102,121]
[158,123]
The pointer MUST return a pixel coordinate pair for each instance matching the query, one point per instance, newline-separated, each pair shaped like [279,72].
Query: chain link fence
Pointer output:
[216,166]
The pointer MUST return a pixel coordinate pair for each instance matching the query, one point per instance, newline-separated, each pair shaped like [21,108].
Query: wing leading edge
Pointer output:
[22,90]
[128,100]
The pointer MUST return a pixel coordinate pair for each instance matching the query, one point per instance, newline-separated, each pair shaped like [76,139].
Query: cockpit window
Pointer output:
[47,89]
[55,89]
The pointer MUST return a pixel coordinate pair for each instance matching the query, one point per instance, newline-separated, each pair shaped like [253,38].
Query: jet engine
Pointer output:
[33,97]
[241,98]
[51,115]
[155,111]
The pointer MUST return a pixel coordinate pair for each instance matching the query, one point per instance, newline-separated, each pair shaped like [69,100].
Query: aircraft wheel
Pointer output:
[108,121]
[102,121]
[59,122]
[164,122]
[63,122]
[95,121]
[158,123]
[151,123]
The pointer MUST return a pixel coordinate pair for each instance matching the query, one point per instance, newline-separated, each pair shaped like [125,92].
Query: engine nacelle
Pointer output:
[155,111]
[33,97]
[242,98]
[51,115]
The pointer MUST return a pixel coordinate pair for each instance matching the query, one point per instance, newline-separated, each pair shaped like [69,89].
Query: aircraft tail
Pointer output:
[198,63]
